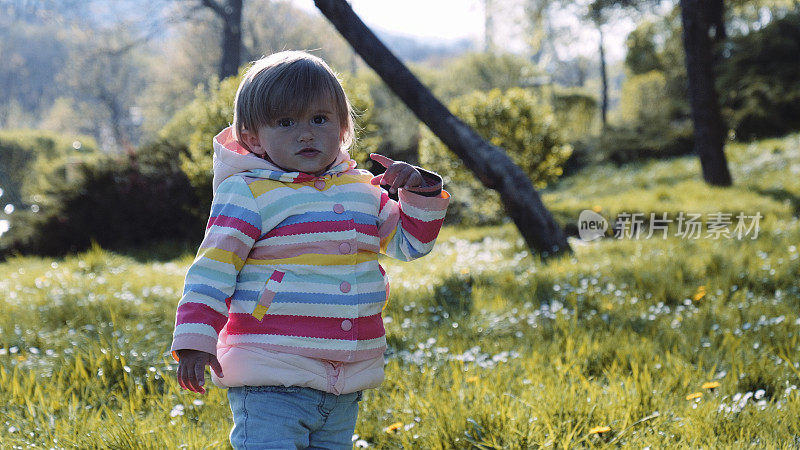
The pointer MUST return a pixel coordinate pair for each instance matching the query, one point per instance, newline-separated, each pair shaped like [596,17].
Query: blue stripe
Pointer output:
[329,216]
[362,277]
[298,198]
[205,290]
[209,273]
[330,299]
[246,296]
[230,210]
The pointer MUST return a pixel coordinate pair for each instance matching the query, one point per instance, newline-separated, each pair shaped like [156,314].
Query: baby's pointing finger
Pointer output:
[382,160]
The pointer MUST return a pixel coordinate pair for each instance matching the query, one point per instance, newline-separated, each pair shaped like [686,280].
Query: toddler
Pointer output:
[284,298]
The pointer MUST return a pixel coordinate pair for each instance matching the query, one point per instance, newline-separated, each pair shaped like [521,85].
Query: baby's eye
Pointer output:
[320,119]
[285,122]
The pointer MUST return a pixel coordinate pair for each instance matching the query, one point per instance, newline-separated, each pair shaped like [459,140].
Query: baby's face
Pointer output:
[309,143]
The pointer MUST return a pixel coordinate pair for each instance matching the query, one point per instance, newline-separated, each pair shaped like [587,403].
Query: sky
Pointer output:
[451,20]
[448,20]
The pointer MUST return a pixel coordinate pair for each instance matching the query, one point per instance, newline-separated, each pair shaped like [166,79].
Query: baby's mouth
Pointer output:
[308,152]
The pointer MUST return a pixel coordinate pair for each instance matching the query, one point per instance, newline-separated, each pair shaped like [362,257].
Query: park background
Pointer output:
[106,118]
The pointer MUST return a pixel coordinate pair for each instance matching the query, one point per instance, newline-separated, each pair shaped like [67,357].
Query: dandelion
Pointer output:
[701,292]
[597,208]
[711,385]
[600,430]
[393,428]
[694,395]
[472,379]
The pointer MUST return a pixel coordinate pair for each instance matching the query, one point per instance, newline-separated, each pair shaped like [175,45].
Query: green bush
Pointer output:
[516,121]
[118,202]
[644,98]
[30,159]
[644,141]
[759,82]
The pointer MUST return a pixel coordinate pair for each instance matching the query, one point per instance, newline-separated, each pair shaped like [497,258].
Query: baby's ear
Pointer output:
[252,142]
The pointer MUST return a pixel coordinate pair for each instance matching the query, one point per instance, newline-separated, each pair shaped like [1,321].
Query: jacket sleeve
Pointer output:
[408,228]
[233,227]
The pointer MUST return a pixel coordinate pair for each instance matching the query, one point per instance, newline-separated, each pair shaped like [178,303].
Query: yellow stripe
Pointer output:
[223,256]
[315,259]
[259,312]
[385,241]
[263,186]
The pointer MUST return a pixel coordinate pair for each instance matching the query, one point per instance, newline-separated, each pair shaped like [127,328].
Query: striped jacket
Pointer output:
[289,262]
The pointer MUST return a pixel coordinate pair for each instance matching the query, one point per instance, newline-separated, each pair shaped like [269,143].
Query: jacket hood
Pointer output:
[231,158]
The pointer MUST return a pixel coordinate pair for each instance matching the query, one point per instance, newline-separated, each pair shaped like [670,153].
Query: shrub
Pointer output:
[514,120]
[118,201]
[644,98]
[645,141]
[758,82]
[30,159]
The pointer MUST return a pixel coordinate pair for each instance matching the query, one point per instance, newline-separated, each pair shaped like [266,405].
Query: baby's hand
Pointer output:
[398,174]
[192,369]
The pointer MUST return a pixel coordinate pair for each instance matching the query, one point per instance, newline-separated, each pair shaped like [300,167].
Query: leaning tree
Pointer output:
[488,163]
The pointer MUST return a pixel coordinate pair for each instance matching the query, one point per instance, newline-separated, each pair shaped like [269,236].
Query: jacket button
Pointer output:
[338,208]
[319,184]
[344,248]
[347,325]
[344,287]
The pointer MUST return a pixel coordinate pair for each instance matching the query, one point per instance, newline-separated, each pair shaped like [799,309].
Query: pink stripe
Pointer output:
[424,231]
[333,355]
[369,327]
[235,223]
[291,250]
[390,224]
[277,276]
[384,200]
[311,227]
[368,229]
[226,242]
[200,313]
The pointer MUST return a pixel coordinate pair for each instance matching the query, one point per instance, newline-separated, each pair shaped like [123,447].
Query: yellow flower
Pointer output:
[599,430]
[701,292]
[597,208]
[694,395]
[394,428]
[711,385]
[465,270]
[472,379]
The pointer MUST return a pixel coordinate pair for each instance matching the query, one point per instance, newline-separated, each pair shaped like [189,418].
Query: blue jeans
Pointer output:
[278,417]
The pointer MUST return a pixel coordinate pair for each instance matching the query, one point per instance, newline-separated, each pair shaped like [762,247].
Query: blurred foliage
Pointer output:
[757,69]
[760,80]
[644,98]
[644,141]
[117,201]
[194,128]
[33,159]
[517,121]
[480,72]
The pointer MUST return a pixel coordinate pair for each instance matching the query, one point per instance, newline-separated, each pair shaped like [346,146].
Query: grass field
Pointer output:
[488,346]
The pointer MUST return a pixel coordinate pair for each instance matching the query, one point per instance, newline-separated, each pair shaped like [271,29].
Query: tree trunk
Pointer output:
[489,164]
[231,15]
[231,39]
[603,76]
[709,129]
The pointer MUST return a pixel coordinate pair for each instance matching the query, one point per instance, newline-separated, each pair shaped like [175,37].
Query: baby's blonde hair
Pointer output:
[287,84]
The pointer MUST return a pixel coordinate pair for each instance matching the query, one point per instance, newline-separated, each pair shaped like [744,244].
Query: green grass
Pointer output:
[489,348]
